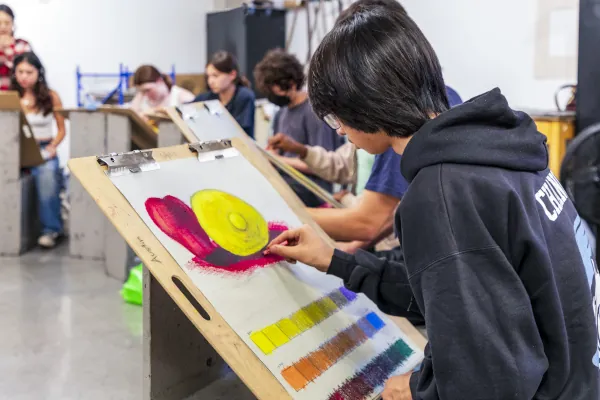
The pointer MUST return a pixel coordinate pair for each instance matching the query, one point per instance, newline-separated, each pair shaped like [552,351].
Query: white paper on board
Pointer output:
[251,302]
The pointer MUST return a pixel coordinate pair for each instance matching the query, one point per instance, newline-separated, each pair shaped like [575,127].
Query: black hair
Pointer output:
[354,7]
[376,71]
[41,91]
[6,9]
[278,68]
[226,62]
[150,74]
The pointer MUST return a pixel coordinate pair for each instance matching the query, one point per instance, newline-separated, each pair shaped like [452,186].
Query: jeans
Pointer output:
[48,183]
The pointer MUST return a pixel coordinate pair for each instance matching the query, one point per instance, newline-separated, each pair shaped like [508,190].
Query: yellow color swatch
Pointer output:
[289,328]
[315,313]
[327,305]
[275,335]
[263,342]
[302,320]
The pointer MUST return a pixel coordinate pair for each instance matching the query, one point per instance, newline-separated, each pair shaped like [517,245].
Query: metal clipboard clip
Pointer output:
[214,150]
[128,163]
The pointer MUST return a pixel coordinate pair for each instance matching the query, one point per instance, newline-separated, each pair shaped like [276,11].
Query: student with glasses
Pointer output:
[495,256]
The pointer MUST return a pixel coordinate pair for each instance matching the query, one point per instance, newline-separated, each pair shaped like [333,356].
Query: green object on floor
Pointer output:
[132,289]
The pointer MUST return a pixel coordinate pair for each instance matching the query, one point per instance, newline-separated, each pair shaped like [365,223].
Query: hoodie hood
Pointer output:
[483,131]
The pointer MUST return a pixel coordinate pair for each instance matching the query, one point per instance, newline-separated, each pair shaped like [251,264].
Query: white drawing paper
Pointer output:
[252,301]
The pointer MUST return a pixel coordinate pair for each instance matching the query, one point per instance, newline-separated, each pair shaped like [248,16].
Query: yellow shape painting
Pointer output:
[232,223]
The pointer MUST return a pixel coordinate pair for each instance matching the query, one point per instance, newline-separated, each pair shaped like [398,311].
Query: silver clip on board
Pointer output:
[214,150]
[128,163]
[209,122]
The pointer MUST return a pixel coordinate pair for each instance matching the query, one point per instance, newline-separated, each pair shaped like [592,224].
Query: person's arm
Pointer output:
[384,281]
[363,222]
[246,117]
[185,96]
[351,247]
[136,103]
[337,166]
[481,329]
[296,163]
[201,97]
[60,124]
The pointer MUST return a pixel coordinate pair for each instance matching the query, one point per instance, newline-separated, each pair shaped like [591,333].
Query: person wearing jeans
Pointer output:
[38,103]
[48,183]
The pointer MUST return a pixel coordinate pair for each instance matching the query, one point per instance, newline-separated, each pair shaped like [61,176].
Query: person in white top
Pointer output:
[39,104]
[156,91]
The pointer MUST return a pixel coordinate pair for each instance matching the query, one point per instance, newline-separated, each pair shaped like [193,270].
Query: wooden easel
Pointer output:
[215,123]
[163,268]
[18,149]
[100,131]
[169,133]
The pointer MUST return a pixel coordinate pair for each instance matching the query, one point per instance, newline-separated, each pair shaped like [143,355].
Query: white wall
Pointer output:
[484,44]
[98,35]
[481,45]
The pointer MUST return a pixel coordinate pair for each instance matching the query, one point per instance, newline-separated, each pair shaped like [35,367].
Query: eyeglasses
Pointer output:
[332,121]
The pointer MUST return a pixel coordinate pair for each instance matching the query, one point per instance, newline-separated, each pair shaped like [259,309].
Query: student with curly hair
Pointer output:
[39,103]
[281,78]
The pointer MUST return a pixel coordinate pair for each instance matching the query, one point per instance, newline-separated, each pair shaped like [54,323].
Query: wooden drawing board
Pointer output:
[143,134]
[163,267]
[298,176]
[29,150]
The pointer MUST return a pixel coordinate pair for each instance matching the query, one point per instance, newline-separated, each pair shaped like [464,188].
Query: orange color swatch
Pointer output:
[294,378]
[320,360]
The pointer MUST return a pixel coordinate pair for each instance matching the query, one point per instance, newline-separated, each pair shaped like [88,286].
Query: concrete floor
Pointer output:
[65,332]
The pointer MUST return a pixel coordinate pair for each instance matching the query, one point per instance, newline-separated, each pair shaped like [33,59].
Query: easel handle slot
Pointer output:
[184,290]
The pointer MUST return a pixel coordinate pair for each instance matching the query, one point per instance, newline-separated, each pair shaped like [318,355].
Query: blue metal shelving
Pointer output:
[123,77]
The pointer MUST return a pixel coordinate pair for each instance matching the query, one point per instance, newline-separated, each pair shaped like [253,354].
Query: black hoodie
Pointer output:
[496,259]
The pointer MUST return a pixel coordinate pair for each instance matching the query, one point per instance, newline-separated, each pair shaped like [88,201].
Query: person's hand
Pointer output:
[397,388]
[302,244]
[50,150]
[340,195]
[283,142]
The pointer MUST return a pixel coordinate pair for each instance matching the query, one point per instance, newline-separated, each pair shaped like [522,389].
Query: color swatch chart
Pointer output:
[375,373]
[309,368]
[284,330]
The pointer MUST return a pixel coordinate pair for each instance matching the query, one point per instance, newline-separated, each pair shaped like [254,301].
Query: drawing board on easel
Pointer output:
[204,121]
[143,135]
[30,155]
[202,220]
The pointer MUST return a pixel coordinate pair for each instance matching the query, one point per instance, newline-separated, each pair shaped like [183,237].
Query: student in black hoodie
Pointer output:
[496,258]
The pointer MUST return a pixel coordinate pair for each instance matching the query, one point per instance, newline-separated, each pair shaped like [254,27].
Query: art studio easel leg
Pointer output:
[169,134]
[18,211]
[86,230]
[178,361]
[118,139]
[92,236]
